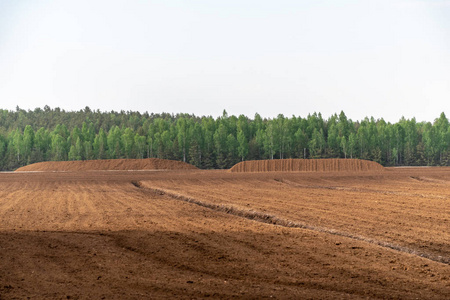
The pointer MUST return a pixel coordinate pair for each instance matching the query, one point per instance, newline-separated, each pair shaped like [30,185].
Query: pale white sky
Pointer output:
[368,58]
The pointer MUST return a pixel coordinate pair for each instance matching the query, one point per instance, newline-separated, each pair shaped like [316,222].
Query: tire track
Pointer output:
[357,214]
[274,220]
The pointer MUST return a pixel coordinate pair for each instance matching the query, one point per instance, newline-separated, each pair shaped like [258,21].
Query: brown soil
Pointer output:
[108,164]
[307,165]
[195,234]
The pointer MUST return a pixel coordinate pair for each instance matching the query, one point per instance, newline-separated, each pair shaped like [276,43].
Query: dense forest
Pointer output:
[54,134]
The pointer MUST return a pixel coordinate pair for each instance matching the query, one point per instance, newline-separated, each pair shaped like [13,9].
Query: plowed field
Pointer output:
[194,234]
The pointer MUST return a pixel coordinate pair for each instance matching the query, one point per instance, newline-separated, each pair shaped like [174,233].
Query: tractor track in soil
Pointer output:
[274,220]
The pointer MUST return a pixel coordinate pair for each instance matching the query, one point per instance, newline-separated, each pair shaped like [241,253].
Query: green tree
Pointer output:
[183,136]
[232,147]
[18,145]
[128,142]
[442,136]
[58,149]
[72,153]
[280,130]
[269,141]
[301,143]
[140,145]
[100,145]
[79,150]
[243,144]
[42,143]
[28,140]
[220,142]
[167,145]
[114,142]
[196,146]
[317,143]
[88,150]
[333,139]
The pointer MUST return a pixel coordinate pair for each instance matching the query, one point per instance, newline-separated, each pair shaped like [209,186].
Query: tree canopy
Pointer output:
[54,134]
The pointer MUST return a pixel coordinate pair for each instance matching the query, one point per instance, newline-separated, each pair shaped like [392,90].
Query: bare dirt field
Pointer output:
[195,234]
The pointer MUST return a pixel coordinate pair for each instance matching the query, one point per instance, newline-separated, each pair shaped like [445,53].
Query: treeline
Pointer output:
[53,134]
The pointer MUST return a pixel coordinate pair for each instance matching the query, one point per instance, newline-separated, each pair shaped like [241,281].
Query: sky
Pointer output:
[386,59]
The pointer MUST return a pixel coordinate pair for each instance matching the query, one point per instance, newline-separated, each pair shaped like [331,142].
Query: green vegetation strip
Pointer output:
[27,137]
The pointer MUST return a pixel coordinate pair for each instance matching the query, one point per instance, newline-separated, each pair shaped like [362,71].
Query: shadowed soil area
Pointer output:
[123,234]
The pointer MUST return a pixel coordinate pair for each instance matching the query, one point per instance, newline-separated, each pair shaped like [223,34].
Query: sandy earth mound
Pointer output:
[108,164]
[307,165]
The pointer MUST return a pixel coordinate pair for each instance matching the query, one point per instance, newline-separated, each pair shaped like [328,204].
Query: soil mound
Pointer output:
[108,164]
[307,165]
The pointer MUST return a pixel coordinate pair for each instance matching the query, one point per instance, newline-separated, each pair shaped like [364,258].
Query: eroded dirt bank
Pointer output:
[307,165]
